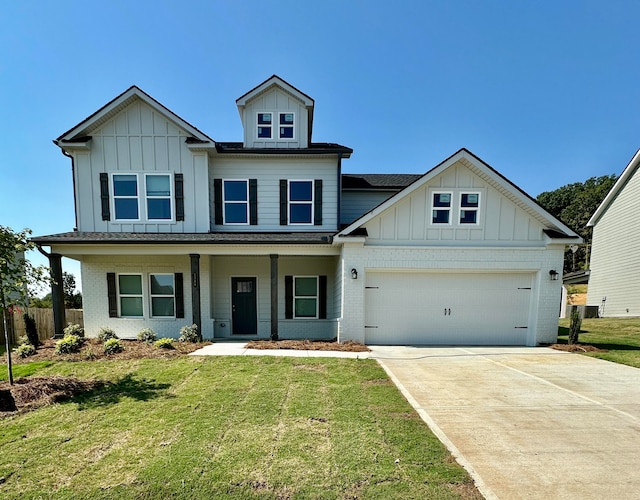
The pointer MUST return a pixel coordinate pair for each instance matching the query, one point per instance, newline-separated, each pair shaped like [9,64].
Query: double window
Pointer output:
[285,125]
[467,210]
[161,293]
[157,197]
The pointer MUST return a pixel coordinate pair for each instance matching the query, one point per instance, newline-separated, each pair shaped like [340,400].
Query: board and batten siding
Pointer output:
[615,268]
[355,204]
[268,172]
[501,222]
[140,140]
[275,101]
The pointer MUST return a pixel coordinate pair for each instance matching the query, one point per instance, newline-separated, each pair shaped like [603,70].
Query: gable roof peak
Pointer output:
[275,80]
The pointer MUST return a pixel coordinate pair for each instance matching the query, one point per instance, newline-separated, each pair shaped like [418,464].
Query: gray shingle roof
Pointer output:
[378,181]
[80,237]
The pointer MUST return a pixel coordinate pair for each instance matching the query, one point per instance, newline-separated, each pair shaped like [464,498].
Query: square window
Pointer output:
[300,190]
[286,118]
[264,118]
[126,208]
[286,132]
[469,200]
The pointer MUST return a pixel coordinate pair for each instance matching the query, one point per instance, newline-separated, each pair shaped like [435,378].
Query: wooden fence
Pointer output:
[44,322]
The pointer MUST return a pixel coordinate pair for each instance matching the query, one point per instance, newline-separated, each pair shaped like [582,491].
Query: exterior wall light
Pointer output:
[354,274]
[553,274]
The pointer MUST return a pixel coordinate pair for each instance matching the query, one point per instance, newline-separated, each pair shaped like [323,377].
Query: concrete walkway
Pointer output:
[530,423]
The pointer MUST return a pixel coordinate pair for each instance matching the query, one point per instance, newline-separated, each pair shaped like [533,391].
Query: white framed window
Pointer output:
[130,302]
[158,191]
[126,204]
[265,125]
[305,297]
[300,194]
[286,125]
[162,295]
[469,207]
[441,207]
[235,201]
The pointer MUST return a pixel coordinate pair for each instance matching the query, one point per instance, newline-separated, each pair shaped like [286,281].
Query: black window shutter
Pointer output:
[217,201]
[283,202]
[317,203]
[322,299]
[104,196]
[288,297]
[179,195]
[111,294]
[179,295]
[253,202]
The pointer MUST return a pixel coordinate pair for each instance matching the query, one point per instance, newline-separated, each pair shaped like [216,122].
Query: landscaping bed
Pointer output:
[308,345]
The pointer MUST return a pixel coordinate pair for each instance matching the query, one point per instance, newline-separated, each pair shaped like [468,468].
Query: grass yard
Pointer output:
[239,427]
[619,336]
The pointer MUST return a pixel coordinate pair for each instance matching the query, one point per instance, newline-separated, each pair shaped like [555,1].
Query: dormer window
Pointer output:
[265,124]
[286,125]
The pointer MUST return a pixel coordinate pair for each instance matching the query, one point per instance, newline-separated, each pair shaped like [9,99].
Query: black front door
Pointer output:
[243,306]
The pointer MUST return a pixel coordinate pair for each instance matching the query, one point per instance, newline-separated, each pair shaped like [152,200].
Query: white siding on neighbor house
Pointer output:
[545,294]
[140,140]
[222,269]
[355,203]
[615,267]
[268,171]
[500,221]
[275,100]
[95,299]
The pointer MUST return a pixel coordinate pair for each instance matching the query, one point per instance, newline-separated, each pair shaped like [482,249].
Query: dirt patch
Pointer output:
[34,392]
[576,348]
[308,345]
[93,350]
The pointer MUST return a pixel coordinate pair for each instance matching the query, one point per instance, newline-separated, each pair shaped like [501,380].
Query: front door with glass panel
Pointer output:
[243,306]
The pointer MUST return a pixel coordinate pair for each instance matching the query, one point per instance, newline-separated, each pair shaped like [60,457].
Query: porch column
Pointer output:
[274,296]
[57,295]
[195,291]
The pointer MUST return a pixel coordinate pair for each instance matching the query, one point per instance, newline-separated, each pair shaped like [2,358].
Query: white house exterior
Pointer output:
[615,268]
[267,237]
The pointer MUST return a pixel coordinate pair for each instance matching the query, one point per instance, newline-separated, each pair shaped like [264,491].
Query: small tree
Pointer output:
[16,275]
[576,324]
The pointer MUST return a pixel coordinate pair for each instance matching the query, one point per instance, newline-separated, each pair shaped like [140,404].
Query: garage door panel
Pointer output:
[447,308]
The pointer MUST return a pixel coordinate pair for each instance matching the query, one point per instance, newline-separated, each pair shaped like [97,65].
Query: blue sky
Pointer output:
[546,91]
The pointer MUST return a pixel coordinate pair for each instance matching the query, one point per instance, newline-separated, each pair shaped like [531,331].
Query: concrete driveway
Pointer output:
[528,422]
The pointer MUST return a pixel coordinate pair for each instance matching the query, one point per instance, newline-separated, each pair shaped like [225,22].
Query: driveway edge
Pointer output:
[459,457]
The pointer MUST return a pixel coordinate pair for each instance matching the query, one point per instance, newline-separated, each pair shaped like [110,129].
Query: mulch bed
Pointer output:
[576,348]
[308,345]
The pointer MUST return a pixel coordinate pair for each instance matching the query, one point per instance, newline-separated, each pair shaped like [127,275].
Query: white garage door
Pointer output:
[447,308]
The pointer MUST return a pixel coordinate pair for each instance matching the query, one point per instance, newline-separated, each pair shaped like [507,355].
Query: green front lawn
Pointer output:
[619,336]
[240,427]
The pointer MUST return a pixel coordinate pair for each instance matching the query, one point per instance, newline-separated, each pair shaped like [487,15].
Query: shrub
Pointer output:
[25,350]
[32,330]
[76,330]
[69,344]
[147,335]
[189,334]
[113,346]
[106,333]
[164,343]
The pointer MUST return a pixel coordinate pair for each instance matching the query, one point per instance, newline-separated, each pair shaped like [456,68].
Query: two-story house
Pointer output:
[267,237]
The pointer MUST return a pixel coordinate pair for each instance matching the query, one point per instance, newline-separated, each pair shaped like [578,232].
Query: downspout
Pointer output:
[339,188]
[73,180]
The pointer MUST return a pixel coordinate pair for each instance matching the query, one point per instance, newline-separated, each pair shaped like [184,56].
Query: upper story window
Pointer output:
[158,190]
[265,125]
[157,197]
[286,130]
[300,202]
[441,208]
[162,294]
[469,206]
[236,201]
[125,196]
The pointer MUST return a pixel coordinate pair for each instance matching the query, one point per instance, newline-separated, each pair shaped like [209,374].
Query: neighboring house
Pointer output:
[245,239]
[615,268]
